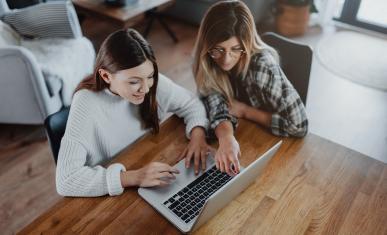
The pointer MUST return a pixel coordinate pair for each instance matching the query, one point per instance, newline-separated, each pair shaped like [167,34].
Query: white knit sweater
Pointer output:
[100,125]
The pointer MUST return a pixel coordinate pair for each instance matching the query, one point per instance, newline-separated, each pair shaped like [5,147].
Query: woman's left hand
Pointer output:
[197,149]
[237,109]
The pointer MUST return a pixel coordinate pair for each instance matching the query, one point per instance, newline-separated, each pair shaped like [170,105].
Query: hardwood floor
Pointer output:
[339,110]
[27,176]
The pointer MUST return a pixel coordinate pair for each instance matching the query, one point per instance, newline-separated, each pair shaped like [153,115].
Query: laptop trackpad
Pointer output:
[188,175]
[182,179]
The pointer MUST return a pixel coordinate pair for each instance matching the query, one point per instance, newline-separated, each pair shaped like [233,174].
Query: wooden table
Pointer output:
[124,17]
[311,185]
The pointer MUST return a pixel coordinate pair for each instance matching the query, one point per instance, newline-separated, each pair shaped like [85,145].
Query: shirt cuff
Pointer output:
[202,122]
[113,178]
[215,123]
[277,125]
[232,119]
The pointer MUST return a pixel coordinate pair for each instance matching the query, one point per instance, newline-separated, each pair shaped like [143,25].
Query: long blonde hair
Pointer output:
[222,21]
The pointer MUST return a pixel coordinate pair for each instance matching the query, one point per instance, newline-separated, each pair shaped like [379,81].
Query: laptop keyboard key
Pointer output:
[185,216]
[188,202]
[173,205]
[171,200]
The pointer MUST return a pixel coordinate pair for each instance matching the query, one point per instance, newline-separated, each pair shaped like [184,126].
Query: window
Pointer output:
[368,14]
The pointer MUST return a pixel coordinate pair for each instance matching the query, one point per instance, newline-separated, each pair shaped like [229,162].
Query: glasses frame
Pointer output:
[223,53]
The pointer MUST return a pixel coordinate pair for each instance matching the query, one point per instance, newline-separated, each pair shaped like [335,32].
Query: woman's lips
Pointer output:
[226,67]
[139,96]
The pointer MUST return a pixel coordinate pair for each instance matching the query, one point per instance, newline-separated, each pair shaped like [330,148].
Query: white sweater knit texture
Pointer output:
[101,124]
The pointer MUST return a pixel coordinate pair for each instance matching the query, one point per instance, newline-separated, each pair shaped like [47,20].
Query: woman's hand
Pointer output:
[197,150]
[238,109]
[153,174]
[228,153]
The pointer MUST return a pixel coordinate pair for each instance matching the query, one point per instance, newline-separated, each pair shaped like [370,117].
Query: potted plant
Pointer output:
[292,16]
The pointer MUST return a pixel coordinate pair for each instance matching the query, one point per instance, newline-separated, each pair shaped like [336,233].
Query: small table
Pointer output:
[311,185]
[126,16]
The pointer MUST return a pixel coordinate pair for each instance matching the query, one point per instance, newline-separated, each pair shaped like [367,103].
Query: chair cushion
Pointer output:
[69,60]
[44,20]
[8,36]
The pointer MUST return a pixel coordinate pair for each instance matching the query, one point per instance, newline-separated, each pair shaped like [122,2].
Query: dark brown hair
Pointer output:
[125,49]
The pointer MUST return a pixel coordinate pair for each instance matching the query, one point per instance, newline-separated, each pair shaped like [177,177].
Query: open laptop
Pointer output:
[191,200]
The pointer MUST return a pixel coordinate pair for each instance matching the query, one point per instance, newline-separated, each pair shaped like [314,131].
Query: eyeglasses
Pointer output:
[217,53]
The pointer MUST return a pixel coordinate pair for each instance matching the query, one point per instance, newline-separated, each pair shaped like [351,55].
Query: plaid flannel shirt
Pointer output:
[264,87]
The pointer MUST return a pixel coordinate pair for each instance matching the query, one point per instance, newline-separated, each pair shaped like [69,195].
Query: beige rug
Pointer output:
[356,57]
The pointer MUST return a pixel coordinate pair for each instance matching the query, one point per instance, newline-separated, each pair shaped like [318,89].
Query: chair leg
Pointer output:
[152,15]
[166,27]
[149,25]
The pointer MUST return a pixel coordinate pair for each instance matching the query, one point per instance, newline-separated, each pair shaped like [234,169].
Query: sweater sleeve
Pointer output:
[174,98]
[74,177]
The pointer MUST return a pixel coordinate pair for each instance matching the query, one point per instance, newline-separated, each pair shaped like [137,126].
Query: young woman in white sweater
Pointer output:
[121,101]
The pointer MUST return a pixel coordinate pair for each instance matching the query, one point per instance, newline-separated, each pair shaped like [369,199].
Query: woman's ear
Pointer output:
[105,75]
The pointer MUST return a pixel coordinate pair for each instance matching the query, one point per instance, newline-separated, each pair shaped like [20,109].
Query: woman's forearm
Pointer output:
[224,129]
[129,178]
[228,153]
[198,132]
[258,116]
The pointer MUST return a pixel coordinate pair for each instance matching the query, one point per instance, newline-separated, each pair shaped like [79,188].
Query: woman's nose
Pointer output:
[227,58]
[144,88]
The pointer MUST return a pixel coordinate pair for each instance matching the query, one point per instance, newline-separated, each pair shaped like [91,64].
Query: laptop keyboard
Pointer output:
[188,202]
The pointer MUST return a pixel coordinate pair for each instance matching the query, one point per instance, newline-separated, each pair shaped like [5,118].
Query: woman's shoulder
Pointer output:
[164,83]
[263,59]
[265,64]
[171,94]
[88,101]
[84,94]
[167,87]
[80,119]
[265,70]
[89,97]
[84,97]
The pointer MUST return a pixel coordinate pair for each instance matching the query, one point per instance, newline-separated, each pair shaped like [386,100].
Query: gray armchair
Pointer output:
[39,47]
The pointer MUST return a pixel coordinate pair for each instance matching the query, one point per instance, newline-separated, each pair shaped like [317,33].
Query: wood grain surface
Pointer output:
[311,186]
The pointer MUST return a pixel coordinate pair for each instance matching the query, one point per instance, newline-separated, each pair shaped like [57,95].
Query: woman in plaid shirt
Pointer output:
[239,76]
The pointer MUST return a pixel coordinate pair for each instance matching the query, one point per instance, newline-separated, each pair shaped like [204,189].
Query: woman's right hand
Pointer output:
[228,153]
[153,174]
